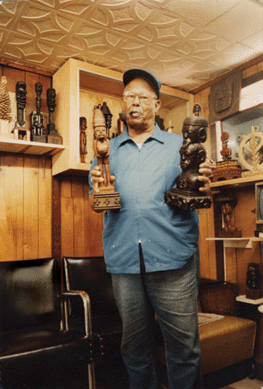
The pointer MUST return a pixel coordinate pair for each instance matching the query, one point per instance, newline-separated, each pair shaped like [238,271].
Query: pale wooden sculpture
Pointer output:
[105,196]
[252,144]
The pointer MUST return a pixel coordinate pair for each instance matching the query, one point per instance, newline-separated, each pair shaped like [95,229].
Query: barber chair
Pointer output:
[32,320]
[89,275]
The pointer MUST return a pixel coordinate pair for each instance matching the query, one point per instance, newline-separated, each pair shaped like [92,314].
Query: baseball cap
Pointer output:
[131,74]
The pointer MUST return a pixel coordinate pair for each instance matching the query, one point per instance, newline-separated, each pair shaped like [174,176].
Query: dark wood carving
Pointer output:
[186,195]
[20,101]
[52,136]
[224,97]
[37,119]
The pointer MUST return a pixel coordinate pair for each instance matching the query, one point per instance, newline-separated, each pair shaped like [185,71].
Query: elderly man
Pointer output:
[151,248]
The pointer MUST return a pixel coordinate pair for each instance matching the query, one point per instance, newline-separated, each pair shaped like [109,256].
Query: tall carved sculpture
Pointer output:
[108,117]
[20,102]
[105,196]
[36,119]
[186,195]
[52,136]
[83,139]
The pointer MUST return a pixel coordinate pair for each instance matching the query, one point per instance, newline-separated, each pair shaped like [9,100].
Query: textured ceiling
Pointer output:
[185,43]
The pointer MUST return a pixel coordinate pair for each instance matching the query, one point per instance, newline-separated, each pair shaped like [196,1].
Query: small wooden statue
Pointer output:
[37,119]
[186,195]
[52,136]
[83,139]
[227,205]
[105,196]
[253,281]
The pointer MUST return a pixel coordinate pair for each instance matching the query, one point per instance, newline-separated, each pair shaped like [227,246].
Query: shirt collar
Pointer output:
[157,135]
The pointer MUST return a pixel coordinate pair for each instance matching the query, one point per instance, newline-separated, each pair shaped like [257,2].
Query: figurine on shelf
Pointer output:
[105,196]
[228,168]
[52,136]
[83,139]
[37,120]
[227,205]
[186,195]
[226,151]
[253,281]
[20,132]
[21,102]
[108,117]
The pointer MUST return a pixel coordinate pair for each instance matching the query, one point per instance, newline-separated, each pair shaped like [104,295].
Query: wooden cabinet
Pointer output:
[79,86]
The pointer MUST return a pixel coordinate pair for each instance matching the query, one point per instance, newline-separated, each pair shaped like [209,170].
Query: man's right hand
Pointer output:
[96,178]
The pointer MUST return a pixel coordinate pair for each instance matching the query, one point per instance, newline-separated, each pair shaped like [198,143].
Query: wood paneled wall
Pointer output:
[25,186]
[81,227]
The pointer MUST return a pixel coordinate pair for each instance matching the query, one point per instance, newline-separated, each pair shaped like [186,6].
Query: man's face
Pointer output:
[141,109]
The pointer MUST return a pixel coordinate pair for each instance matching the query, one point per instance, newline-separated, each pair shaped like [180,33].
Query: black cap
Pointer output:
[131,74]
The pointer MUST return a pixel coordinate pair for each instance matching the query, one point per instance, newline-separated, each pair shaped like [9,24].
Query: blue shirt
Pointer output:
[168,235]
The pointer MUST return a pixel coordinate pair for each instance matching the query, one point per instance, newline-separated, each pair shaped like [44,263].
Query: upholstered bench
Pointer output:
[225,339]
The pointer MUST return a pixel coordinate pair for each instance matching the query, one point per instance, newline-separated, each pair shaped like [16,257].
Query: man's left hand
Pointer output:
[206,170]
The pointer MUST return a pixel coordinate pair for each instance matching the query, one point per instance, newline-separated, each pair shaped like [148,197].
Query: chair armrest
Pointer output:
[66,300]
[219,298]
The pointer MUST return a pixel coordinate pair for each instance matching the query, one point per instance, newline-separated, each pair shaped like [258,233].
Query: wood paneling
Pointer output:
[81,227]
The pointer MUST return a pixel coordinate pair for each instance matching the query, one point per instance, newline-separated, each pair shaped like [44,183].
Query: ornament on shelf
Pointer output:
[228,168]
[37,119]
[227,205]
[5,109]
[52,136]
[186,195]
[20,132]
[253,281]
[250,152]
[83,139]
[105,196]
[107,115]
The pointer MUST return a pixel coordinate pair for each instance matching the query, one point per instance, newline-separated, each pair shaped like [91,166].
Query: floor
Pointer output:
[110,375]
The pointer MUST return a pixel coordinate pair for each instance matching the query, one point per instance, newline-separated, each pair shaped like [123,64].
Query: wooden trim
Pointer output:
[25,68]
[242,67]
[252,79]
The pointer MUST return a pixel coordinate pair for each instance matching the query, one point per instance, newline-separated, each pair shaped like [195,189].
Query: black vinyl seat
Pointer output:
[32,320]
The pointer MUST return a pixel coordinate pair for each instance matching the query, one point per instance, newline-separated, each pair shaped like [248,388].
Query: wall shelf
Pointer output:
[239,243]
[27,147]
[243,181]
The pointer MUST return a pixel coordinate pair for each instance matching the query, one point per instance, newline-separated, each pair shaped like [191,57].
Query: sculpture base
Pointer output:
[253,294]
[106,201]
[39,138]
[187,199]
[55,139]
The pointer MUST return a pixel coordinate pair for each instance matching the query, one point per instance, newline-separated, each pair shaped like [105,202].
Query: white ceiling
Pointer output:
[185,43]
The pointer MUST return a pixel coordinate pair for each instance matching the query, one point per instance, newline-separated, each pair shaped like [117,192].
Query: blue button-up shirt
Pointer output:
[168,235]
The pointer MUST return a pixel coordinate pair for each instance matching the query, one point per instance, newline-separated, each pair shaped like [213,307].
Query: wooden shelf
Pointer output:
[243,181]
[27,147]
[239,243]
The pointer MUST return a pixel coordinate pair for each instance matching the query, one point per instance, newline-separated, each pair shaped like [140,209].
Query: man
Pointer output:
[150,247]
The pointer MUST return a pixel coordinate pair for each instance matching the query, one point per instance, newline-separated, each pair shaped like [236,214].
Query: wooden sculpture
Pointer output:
[105,196]
[186,195]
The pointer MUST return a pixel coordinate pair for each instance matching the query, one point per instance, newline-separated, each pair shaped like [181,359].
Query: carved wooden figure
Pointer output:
[52,136]
[105,197]
[37,120]
[83,139]
[21,101]
[186,195]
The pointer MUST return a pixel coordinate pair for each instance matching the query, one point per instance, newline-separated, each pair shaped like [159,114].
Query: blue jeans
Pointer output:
[173,296]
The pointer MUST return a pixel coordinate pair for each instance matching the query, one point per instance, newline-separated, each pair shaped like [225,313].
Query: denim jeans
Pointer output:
[173,296]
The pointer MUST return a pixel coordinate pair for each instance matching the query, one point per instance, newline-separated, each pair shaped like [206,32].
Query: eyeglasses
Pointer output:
[129,97]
